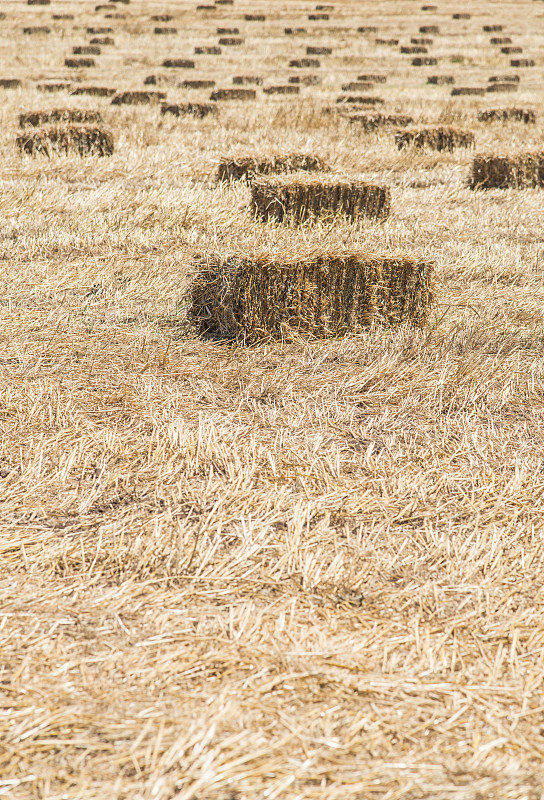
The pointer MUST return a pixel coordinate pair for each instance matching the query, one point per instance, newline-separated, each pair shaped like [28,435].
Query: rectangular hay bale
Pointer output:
[437,138]
[519,171]
[56,116]
[83,140]
[247,167]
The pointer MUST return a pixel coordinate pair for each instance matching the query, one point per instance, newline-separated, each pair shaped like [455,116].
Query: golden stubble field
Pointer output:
[309,570]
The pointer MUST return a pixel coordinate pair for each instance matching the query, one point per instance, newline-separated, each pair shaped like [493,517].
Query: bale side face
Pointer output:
[34,119]
[521,171]
[259,297]
[83,140]
[247,167]
[525,115]
[440,138]
[299,198]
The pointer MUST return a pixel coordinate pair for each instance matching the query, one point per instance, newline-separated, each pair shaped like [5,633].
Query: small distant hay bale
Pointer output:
[441,80]
[231,41]
[61,16]
[212,50]
[305,80]
[387,42]
[431,29]
[424,61]
[259,296]
[305,63]
[199,110]
[53,87]
[374,122]
[522,62]
[361,100]
[500,40]
[437,138]
[233,94]
[510,50]
[83,140]
[36,30]
[94,91]
[301,197]
[410,50]
[102,40]
[199,84]
[247,80]
[56,116]
[492,28]
[79,63]
[461,15]
[10,83]
[294,31]
[138,98]
[228,31]
[367,29]
[317,17]
[374,78]
[318,51]
[178,63]
[282,89]
[162,18]
[525,115]
[468,91]
[159,31]
[245,168]
[254,17]
[115,16]
[324,8]
[357,86]
[519,171]
[502,87]
[99,31]
[429,8]
[86,50]
[424,40]
[38,2]
[206,8]
[504,79]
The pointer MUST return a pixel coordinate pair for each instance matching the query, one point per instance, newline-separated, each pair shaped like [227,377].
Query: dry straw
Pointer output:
[248,166]
[72,116]
[83,140]
[333,293]
[301,197]
[519,171]
[439,138]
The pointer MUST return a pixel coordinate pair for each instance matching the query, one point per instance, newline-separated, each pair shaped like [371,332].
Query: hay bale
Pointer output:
[282,89]
[61,16]
[178,63]
[429,8]
[231,41]
[441,80]
[305,63]
[102,40]
[468,91]
[38,2]
[86,50]
[318,51]
[165,31]
[68,116]
[94,91]
[433,29]
[388,42]
[53,87]
[162,18]
[492,28]
[519,171]
[374,78]
[254,17]
[367,29]
[228,31]
[500,40]
[525,115]
[502,87]
[99,31]
[36,29]
[461,15]
[10,83]
[247,80]
[200,84]
[247,167]
[522,62]
[317,17]
[79,63]
[437,138]
[374,122]
[511,50]
[361,100]
[413,49]
[251,297]
[83,140]
[300,197]
[208,51]
[424,61]
[233,94]
[115,16]
[199,110]
[305,80]
[138,98]
[504,79]
[424,40]
[357,86]
[294,31]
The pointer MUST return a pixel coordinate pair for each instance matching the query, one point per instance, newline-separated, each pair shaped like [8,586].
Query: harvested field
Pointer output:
[290,548]
[82,140]
[257,298]
[300,198]
[439,138]
[246,167]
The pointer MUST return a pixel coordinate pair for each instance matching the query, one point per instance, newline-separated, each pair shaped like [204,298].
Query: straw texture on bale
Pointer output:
[72,116]
[84,140]
[439,138]
[299,197]
[525,115]
[520,171]
[247,167]
[259,296]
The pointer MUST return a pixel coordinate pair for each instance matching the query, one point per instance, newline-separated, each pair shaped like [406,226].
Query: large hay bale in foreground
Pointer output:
[260,296]
[525,115]
[520,171]
[73,116]
[300,197]
[439,138]
[247,167]
[83,140]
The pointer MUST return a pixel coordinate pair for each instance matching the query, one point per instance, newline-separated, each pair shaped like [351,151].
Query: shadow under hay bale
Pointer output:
[233,94]
[525,115]
[372,78]
[461,15]
[492,28]
[248,167]
[256,297]
[71,116]
[83,140]
[504,79]
[367,29]
[511,50]
[424,40]
[317,17]
[208,51]
[374,122]
[138,98]
[500,40]
[36,30]
[99,31]
[228,31]
[162,18]
[254,17]
[468,91]
[387,42]
[199,110]
[520,171]
[357,86]
[441,80]
[413,49]
[94,91]
[439,138]
[294,31]
[431,29]
[318,51]
[300,197]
